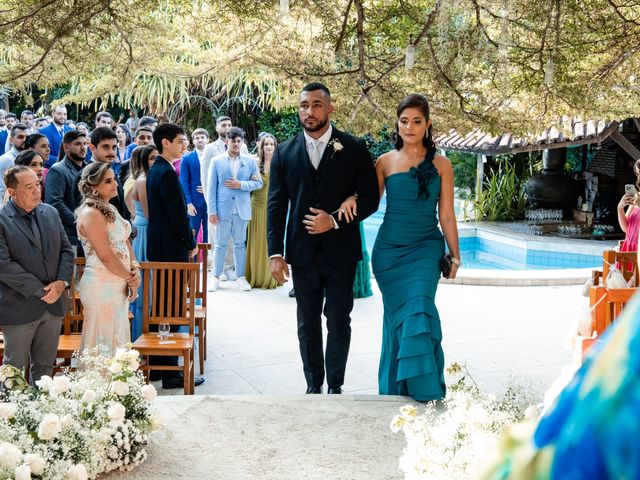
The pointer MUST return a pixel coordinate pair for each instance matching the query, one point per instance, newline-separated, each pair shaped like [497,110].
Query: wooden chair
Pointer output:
[172,287]
[606,305]
[201,310]
[627,263]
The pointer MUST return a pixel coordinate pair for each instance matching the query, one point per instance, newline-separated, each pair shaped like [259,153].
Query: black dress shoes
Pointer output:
[314,389]
[177,381]
[292,293]
[334,391]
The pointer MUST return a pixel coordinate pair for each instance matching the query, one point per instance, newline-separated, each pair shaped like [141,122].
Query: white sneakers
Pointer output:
[223,277]
[243,284]
[230,274]
[214,284]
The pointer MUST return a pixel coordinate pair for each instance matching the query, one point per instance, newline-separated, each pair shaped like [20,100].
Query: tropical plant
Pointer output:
[464,170]
[503,196]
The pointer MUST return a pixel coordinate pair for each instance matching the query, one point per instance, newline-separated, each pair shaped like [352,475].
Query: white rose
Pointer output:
[115,368]
[23,472]
[149,392]
[133,365]
[89,396]
[66,421]
[133,355]
[35,462]
[45,382]
[10,455]
[116,412]
[49,427]
[8,410]
[77,472]
[61,384]
[532,412]
[120,388]
[121,355]
[409,411]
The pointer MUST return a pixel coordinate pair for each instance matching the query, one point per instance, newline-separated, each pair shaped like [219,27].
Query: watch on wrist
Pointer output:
[66,284]
[456,261]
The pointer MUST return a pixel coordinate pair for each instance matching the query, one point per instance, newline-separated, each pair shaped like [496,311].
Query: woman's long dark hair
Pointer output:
[26,157]
[415,100]
[140,160]
[32,140]
[261,140]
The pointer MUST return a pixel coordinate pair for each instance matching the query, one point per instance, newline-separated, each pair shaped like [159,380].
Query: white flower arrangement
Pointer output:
[77,425]
[452,439]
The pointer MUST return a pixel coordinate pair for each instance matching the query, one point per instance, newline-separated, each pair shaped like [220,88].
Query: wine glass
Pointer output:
[163,330]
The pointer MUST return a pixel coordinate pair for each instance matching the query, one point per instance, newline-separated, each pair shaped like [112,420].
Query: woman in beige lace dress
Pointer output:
[111,277]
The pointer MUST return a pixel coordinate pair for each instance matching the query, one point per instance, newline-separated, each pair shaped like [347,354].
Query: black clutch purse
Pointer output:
[445,265]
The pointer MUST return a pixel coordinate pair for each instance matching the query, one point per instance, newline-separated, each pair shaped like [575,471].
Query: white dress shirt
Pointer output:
[211,151]
[320,144]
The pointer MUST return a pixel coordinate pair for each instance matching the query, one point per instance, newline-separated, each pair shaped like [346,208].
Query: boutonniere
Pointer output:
[336,145]
[242,163]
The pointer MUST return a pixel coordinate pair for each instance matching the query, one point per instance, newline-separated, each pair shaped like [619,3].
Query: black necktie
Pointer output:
[30,219]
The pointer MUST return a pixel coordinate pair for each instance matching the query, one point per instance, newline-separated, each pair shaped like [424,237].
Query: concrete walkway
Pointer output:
[503,334]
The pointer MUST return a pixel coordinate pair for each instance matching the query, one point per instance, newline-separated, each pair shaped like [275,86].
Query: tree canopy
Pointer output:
[516,65]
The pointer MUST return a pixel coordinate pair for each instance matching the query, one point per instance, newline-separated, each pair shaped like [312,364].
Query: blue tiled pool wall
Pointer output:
[488,249]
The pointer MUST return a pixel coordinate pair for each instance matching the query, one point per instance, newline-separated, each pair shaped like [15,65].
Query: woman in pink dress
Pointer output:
[630,219]
[110,279]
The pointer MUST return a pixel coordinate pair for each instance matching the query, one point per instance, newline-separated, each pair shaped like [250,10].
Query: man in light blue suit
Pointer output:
[54,132]
[232,176]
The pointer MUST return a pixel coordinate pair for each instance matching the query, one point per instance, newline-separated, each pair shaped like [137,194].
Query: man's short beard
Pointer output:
[75,158]
[320,126]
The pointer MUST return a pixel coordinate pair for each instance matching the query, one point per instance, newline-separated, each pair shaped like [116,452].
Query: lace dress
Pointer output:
[104,294]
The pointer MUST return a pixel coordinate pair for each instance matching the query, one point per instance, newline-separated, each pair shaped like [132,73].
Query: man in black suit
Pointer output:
[316,171]
[36,265]
[169,235]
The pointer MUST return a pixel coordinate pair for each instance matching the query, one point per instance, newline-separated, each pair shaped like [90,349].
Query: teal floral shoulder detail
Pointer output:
[423,173]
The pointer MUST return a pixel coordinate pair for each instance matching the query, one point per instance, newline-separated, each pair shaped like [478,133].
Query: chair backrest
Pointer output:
[202,258]
[171,288]
[627,262]
[74,317]
[607,304]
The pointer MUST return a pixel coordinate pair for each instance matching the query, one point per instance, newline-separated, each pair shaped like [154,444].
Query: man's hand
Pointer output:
[53,292]
[193,253]
[191,210]
[232,184]
[199,189]
[279,269]
[213,218]
[318,223]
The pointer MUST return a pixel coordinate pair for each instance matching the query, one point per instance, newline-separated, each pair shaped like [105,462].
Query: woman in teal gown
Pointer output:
[407,254]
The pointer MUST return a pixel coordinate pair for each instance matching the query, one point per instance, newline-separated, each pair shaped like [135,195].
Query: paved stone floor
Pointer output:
[502,334]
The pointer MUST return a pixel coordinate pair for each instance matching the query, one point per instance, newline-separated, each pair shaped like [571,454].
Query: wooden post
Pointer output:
[481,160]
[626,145]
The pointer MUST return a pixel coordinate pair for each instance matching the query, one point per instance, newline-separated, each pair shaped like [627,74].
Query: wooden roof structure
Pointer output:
[571,132]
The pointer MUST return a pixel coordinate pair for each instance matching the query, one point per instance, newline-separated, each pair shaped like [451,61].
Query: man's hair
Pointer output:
[26,112]
[102,133]
[11,175]
[10,115]
[200,131]
[146,120]
[72,136]
[166,131]
[221,119]
[234,132]
[104,113]
[143,129]
[53,109]
[18,126]
[310,87]
[83,124]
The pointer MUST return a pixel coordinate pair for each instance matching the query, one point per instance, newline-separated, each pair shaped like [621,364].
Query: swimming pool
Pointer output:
[486,249]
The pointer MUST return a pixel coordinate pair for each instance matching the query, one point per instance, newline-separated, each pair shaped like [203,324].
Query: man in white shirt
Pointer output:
[17,136]
[212,150]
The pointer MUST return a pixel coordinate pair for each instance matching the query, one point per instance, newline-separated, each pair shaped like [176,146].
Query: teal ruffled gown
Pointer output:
[362,282]
[406,264]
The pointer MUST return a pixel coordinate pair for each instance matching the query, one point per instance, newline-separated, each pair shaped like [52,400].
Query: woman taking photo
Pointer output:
[408,253]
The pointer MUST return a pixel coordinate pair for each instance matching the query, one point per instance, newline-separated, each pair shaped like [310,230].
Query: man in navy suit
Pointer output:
[169,237]
[192,183]
[55,132]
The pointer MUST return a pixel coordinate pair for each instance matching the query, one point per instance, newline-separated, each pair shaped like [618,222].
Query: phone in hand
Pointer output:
[630,189]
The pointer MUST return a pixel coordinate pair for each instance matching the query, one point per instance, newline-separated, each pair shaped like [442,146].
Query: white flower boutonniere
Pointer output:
[242,163]
[336,145]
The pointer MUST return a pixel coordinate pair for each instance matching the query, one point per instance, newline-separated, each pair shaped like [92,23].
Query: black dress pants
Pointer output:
[333,285]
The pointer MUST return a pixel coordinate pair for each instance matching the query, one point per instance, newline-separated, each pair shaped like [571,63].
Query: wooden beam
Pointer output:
[626,145]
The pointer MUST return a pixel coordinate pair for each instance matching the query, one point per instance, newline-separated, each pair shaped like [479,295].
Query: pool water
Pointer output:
[496,252]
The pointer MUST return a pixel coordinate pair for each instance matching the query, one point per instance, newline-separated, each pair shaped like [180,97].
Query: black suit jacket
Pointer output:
[25,268]
[61,192]
[169,236]
[296,186]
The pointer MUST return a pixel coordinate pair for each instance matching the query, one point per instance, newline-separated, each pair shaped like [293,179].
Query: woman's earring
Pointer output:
[94,193]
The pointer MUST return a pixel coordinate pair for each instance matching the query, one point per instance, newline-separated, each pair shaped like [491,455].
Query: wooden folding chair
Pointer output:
[627,262]
[71,336]
[171,288]
[201,310]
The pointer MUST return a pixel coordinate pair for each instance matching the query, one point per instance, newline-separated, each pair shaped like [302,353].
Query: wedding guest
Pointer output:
[55,132]
[192,183]
[169,236]
[27,117]
[124,140]
[40,122]
[103,119]
[34,161]
[111,274]
[144,136]
[141,160]
[410,247]
[231,177]
[18,136]
[630,219]
[311,175]
[36,265]
[133,121]
[257,269]
[40,144]
[61,184]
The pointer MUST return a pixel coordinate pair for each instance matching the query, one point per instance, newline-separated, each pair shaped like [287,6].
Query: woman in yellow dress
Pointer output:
[257,269]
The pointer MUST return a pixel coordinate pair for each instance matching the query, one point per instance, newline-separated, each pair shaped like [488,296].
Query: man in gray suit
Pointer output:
[36,265]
